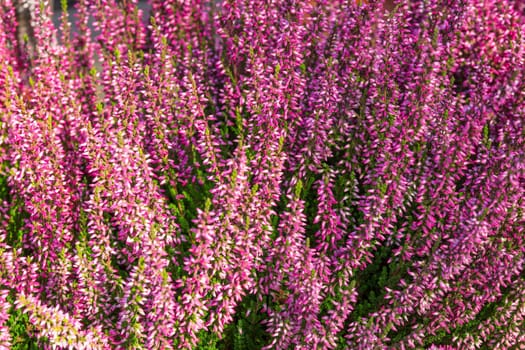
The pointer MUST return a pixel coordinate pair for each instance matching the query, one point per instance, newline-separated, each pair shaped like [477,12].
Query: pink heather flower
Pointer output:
[294,285]
[5,337]
[62,330]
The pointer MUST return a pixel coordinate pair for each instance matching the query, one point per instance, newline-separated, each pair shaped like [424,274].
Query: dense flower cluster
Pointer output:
[256,174]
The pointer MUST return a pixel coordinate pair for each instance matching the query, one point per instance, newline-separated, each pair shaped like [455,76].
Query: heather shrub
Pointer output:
[263,175]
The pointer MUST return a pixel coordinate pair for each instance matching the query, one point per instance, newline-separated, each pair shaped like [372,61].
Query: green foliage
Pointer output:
[373,280]
[246,332]
[19,327]
[311,205]
[207,341]
[17,215]
[195,195]
[18,322]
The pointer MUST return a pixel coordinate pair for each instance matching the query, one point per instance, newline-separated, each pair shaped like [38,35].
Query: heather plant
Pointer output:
[263,175]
